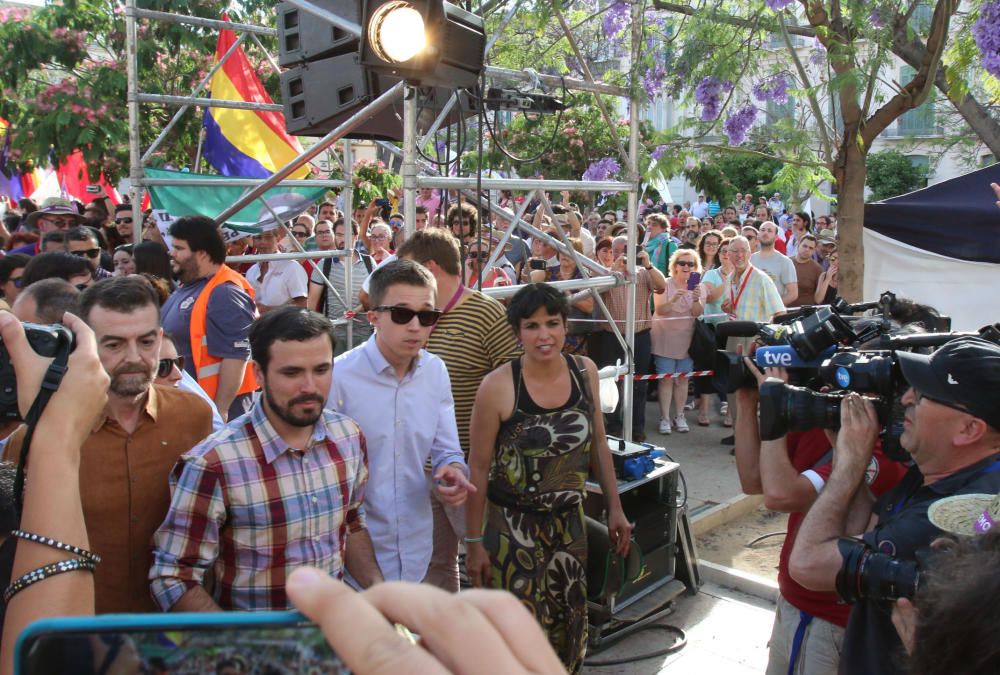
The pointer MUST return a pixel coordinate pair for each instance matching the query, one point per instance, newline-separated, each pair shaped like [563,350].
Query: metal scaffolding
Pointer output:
[415,173]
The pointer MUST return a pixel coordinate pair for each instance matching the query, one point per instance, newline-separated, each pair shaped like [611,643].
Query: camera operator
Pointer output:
[952,432]
[791,472]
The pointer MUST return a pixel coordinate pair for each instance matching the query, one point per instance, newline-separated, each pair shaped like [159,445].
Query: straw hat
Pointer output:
[966,514]
[54,206]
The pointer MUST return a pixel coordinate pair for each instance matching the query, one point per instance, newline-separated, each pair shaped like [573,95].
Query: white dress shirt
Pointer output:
[404,422]
[284,281]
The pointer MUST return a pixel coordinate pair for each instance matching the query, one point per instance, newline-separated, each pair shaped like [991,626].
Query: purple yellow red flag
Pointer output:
[248,143]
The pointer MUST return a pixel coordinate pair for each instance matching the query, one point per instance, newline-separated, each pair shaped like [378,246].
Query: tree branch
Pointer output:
[728,18]
[756,153]
[915,92]
[824,137]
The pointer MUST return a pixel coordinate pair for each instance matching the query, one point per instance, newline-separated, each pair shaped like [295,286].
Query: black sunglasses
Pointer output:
[121,221]
[404,315]
[300,235]
[165,366]
[17,281]
[90,253]
[686,263]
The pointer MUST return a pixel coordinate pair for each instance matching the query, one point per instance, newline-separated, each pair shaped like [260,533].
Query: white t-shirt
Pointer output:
[285,281]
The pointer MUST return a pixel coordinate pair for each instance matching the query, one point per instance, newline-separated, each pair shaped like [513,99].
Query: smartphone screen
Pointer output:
[537,264]
[179,650]
[694,280]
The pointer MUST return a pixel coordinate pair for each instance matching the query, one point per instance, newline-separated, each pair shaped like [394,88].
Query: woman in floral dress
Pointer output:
[537,433]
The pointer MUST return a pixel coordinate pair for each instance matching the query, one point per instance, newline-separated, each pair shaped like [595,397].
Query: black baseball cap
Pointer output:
[964,372]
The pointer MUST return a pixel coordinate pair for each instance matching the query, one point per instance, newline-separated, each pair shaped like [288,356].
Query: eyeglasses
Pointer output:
[686,263]
[123,221]
[90,253]
[919,396]
[479,255]
[396,223]
[378,236]
[166,366]
[404,315]
[59,222]
[300,235]
[319,232]
[17,281]
[711,243]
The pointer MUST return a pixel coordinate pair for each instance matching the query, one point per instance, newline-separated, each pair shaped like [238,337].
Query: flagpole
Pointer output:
[197,156]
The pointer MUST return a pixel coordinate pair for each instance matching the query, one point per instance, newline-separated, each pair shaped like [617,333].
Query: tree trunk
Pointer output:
[851,178]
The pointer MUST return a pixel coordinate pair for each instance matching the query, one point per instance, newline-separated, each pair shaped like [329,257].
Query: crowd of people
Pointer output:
[243,422]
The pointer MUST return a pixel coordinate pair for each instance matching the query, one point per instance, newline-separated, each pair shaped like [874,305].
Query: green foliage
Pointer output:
[64,80]
[723,174]
[891,173]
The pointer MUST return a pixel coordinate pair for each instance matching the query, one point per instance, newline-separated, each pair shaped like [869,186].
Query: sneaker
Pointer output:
[665,427]
[682,424]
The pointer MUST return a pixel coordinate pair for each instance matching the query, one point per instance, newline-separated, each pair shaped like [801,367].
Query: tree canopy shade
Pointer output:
[891,173]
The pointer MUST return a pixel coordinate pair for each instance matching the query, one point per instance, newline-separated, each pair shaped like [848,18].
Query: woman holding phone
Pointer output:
[673,327]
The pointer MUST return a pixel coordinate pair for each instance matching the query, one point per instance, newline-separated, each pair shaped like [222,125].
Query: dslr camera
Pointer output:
[47,341]
[867,574]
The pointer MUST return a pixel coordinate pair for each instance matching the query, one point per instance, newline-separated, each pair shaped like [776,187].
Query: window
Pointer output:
[921,162]
[780,111]
[918,121]
[920,20]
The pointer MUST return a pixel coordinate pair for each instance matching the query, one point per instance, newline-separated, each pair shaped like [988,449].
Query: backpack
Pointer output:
[327,265]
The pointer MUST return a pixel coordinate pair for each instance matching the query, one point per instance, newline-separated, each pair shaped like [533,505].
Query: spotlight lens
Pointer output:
[396,32]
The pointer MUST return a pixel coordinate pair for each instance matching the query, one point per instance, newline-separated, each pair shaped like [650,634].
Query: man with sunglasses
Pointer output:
[82,241]
[952,433]
[400,396]
[126,461]
[55,215]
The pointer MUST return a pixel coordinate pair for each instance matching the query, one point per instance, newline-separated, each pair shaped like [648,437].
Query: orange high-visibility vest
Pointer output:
[207,366]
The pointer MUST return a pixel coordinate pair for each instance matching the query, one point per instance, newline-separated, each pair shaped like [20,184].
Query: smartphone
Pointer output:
[694,280]
[536,264]
[93,189]
[243,642]
[384,203]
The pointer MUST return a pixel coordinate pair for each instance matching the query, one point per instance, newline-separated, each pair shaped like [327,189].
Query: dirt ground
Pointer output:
[729,544]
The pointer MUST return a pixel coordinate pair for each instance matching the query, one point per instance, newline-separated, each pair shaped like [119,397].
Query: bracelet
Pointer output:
[36,575]
[52,543]
[473,540]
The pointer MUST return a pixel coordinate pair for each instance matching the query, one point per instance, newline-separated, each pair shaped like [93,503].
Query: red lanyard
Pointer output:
[736,298]
[451,303]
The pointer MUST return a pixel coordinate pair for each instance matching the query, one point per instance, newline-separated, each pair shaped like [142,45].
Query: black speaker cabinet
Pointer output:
[305,37]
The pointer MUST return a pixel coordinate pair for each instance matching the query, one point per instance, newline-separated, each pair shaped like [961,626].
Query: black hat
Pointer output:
[964,372]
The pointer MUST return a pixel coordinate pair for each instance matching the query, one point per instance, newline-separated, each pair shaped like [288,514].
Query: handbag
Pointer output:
[702,348]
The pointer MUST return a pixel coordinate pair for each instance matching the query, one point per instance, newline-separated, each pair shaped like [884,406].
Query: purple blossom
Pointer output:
[773,88]
[658,152]
[441,147]
[737,124]
[616,18]
[817,56]
[708,93]
[602,169]
[986,31]
[778,5]
[652,80]
[875,18]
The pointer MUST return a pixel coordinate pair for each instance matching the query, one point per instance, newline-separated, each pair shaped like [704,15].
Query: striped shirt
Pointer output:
[472,339]
[251,509]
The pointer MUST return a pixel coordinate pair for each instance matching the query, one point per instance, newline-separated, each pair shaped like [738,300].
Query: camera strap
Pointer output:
[50,383]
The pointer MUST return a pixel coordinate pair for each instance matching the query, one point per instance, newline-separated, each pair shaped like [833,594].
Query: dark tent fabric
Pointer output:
[957,218]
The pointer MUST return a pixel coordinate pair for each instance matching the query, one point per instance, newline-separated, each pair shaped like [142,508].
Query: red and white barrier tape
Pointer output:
[671,376]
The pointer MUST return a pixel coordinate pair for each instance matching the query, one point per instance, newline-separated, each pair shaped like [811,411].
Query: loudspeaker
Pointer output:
[304,37]
[319,95]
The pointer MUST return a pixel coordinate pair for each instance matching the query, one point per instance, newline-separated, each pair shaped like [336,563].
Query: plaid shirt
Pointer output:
[760,299]
[251,509]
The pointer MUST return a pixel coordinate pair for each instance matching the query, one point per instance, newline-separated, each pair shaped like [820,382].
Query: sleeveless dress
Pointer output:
[534,532]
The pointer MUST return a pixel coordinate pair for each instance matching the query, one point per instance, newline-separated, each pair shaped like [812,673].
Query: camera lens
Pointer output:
[785,408]
[865,573]
[813,334]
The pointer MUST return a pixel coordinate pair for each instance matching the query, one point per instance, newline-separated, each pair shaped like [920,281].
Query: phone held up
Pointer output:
[220,642]
[694,280]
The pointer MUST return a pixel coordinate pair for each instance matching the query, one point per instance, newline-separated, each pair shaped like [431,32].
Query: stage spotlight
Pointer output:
[426,42]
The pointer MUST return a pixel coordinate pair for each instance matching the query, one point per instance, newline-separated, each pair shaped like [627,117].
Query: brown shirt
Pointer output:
[617,301]
[125,493]
[808,273]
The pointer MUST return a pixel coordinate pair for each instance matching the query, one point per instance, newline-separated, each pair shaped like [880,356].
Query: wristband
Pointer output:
[473,540]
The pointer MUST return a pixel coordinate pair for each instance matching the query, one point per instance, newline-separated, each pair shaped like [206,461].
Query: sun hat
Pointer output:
[54,206]
[966,514]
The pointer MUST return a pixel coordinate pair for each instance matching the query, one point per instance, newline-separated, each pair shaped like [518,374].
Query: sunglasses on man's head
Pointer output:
[404,315]
[166,366]
[90,253]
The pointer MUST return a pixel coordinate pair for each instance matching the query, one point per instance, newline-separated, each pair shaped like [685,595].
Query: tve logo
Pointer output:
[774,358]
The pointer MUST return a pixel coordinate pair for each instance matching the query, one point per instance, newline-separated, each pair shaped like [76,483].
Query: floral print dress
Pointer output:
[534,531]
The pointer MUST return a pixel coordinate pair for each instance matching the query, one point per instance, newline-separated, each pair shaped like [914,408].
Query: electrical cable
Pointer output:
[499,145]
[682,503]
[676,646]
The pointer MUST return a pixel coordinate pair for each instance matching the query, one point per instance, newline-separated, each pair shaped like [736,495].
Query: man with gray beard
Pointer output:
[126,462]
